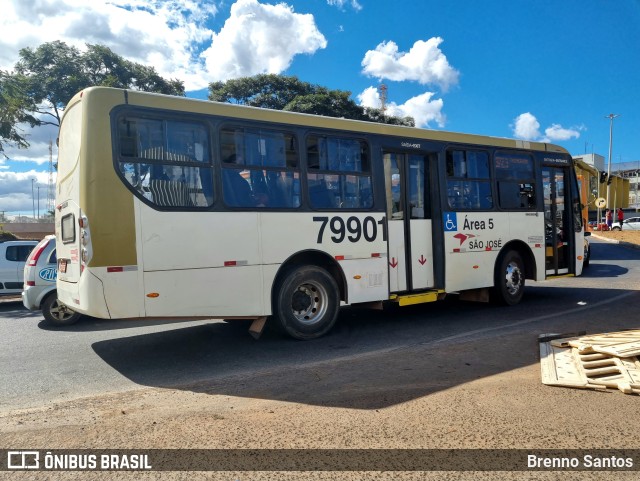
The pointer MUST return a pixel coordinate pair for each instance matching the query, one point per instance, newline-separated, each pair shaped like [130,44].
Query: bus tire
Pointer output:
[57,313]
[509,279]
[307,300]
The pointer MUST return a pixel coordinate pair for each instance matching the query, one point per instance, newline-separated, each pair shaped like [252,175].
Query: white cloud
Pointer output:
[370,97]
[16,193]
[423,108]
[424,63]
[154,32]
[341,3]
[557,133]
[259,38]
[527,127]
[170,35]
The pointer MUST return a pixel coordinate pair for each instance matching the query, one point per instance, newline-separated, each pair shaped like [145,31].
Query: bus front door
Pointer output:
[409,221]
[556,220]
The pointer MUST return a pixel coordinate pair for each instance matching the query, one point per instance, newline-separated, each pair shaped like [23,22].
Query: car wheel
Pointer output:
[306,302]
[509,279]
[57,313]
[616,228]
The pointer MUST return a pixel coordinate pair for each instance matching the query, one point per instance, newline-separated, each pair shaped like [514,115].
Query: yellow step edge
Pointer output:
[421,298]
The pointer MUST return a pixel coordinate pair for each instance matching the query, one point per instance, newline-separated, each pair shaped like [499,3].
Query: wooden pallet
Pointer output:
[602,361]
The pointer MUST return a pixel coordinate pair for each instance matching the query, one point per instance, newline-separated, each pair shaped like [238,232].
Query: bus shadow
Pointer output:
[372,359]
[601,269]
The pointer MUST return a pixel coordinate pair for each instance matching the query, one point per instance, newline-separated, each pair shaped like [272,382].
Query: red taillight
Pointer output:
[30,283]
[37,252]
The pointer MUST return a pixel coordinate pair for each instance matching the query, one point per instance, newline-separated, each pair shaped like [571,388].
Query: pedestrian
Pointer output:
[620,217]
[609,218]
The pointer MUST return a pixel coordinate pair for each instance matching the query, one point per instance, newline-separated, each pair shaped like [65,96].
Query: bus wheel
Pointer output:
[509,280]
[306,303]
[57,313]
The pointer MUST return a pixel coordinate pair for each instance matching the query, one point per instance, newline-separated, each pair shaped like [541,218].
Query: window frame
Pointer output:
[531,179]
[223,165]
[487,181]
[165,117]
[368,173]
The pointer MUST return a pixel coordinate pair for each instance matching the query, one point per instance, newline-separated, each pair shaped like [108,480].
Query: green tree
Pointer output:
[290,93]
[44,80]
[12,113]
[49,76]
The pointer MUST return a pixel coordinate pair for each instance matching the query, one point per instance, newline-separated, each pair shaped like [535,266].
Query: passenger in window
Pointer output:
[236,189]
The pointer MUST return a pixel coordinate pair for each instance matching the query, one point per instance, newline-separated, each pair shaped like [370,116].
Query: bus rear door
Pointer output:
[560,243]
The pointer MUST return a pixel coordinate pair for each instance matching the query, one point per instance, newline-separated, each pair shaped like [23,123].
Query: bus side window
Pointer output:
[338,173]
[515,180]
[260,168]
[319,195]
[166,162]
[468,181]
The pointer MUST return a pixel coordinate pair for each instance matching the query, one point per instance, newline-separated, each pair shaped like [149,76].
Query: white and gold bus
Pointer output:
[172,207]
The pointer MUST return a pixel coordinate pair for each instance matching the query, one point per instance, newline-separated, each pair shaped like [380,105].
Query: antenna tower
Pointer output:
[383,98]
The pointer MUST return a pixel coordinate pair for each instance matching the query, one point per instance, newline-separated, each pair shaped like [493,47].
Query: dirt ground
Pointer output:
[631,236]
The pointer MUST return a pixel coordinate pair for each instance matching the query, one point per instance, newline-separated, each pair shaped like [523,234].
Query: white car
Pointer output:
[632,223]
[40,273]
[13,255]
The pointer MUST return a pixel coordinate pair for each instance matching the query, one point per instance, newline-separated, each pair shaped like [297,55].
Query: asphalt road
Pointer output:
[40,365]
[449,375]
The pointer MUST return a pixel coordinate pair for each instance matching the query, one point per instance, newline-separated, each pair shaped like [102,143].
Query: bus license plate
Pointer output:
[62,265]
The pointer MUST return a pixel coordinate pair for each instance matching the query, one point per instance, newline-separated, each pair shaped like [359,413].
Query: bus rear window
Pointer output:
[68,225]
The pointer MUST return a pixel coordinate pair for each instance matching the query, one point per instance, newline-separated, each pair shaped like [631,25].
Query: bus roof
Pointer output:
[184,104]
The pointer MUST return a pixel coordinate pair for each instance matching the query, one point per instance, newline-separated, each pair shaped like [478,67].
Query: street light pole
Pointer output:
[610,117]
[33,199]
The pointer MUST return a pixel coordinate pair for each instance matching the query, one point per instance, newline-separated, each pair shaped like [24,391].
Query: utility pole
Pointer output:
[50,186]
[610,117]
[33,199]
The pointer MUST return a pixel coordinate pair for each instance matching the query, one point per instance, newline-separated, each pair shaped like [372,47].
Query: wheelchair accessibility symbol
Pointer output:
[450,221]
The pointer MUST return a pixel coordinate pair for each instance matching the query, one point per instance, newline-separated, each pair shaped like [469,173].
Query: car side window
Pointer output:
[18,253]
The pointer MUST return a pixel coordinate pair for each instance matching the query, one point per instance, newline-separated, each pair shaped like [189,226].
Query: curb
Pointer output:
[614,241]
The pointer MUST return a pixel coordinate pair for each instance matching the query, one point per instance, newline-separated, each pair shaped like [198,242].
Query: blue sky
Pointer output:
[544,70]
